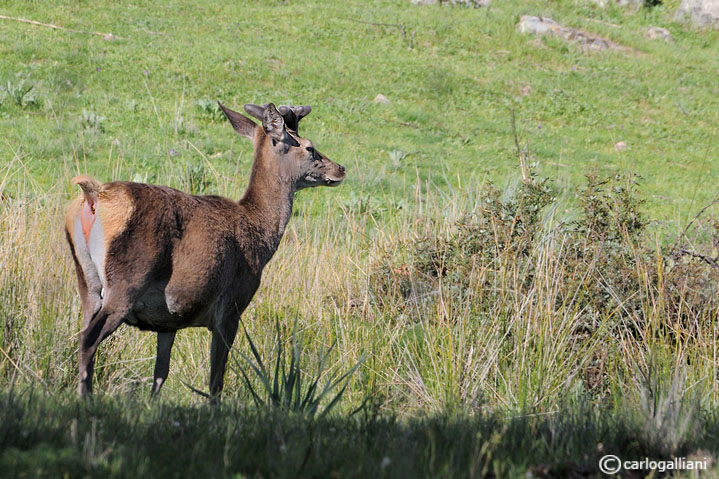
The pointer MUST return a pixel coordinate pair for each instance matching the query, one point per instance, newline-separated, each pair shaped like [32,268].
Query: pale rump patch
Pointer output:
[94,219]
[92,272]
[90,190]
[73,210]
[96,249]
[87,218]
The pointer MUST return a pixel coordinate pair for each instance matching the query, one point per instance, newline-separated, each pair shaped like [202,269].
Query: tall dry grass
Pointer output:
[473,298]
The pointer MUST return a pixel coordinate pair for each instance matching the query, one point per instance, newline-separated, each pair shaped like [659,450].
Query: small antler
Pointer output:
[291,114]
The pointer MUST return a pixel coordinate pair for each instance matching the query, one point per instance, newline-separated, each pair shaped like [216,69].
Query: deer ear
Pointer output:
[242,125]
[255,110]
[273,123]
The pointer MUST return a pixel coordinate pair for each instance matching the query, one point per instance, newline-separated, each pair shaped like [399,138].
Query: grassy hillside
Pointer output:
[508,317]
[452,75]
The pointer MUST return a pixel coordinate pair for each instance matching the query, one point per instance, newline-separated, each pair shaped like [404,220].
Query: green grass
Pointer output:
[452,74]
[524,328]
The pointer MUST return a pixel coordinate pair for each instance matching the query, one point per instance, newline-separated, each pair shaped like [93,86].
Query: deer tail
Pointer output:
[90,187]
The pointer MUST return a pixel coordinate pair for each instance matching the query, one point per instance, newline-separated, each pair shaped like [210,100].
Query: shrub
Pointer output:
[599,282]
[91,121]
[288,387]
[21,93]
[210,110]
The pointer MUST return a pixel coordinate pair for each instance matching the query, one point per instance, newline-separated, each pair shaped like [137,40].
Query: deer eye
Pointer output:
[311,150]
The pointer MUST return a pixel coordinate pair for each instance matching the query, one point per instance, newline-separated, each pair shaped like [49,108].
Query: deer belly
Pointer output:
[152,311]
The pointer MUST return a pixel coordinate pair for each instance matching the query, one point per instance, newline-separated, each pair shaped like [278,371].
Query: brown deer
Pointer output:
[162,260]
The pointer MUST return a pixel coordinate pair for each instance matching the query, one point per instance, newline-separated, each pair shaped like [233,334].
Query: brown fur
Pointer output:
[116,209]
[174,260]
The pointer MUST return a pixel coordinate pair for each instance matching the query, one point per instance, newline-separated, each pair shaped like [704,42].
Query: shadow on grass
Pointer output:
[57,435]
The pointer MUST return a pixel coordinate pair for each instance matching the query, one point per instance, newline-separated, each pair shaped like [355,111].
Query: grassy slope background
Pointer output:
[452,75]
[508,341]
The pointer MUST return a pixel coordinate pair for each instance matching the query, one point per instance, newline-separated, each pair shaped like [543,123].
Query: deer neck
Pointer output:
[268,206]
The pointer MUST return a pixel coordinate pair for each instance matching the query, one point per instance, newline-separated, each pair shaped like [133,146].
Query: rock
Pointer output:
[636,4]
[600,3]
[380,98]
[659,33]
[544,26]
[702,13]
[465,3]
[471,3]
[538,25]
[630,3]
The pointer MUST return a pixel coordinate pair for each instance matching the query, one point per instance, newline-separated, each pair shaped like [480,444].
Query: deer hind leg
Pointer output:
[162,362]
[100,326]
[93,222]
[88,283]
[223,335]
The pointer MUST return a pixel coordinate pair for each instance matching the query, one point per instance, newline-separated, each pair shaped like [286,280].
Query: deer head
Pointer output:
[293,158]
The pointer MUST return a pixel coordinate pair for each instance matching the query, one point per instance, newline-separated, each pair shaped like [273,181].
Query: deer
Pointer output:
[162,260]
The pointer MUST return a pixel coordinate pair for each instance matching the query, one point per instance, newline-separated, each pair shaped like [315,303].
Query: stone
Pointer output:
[380,98]
[622,3]
[635,4]
[465,3]
[702,13]
[630,3]
[546,26]
[659,33]
[537,25]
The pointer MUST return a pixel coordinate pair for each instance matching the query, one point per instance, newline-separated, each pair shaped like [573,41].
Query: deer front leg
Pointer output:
[162,361]
[223,335]
[104,323]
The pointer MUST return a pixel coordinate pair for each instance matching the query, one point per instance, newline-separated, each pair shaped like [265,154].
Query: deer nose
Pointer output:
[342,169]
